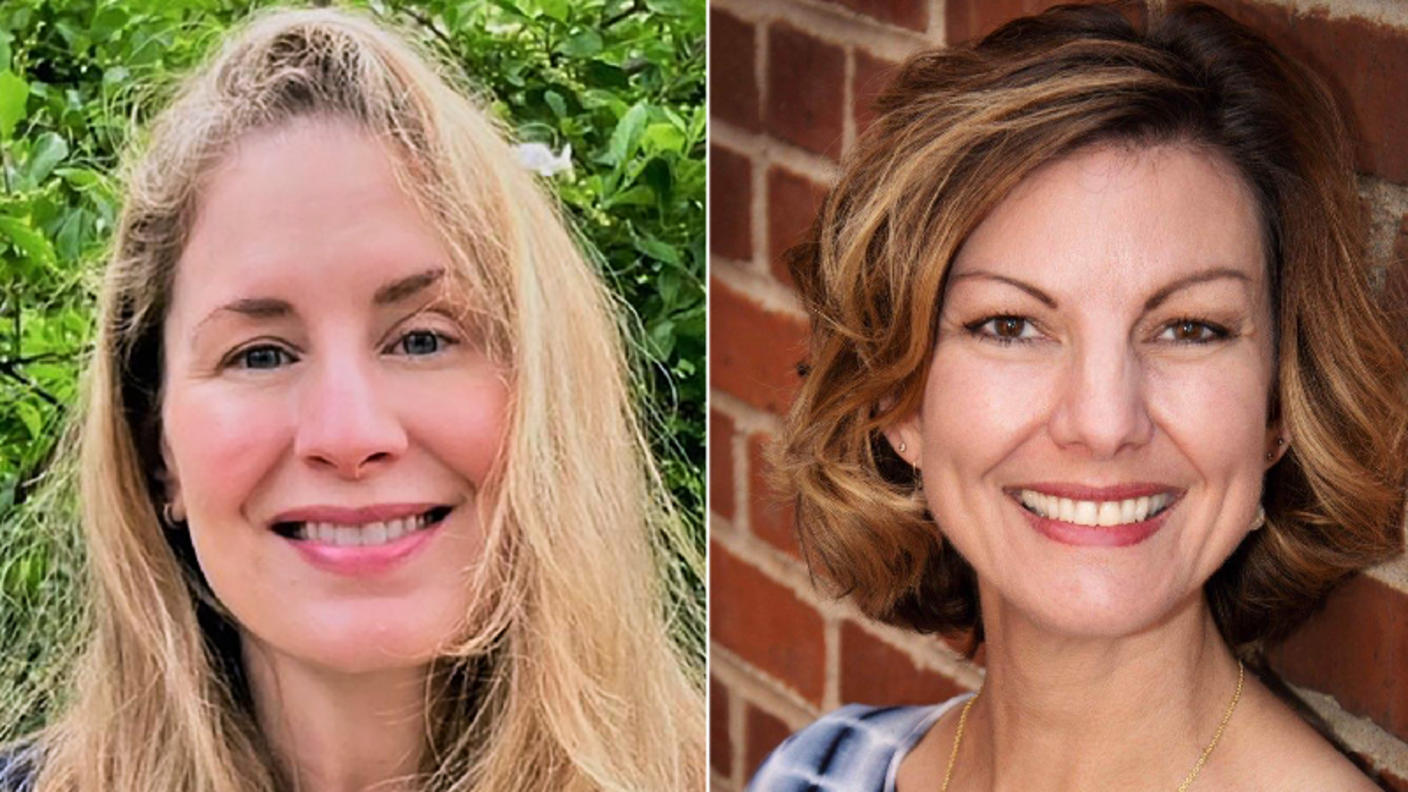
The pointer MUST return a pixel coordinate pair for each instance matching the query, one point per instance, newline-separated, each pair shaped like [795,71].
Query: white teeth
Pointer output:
[1101,513]
[370,534]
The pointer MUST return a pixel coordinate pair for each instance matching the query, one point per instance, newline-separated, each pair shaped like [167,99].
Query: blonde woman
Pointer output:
[365,501]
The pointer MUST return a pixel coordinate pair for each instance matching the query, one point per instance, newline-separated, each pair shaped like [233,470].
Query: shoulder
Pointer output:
[849,749]
[19,764]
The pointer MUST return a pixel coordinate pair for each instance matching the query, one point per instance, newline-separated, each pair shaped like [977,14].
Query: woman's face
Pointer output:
[328,422]
[1094,427]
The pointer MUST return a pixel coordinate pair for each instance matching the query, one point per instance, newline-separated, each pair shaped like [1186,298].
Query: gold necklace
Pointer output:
[1183,787]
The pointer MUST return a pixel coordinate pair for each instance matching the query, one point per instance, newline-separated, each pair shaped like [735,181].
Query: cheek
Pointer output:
[1216,413]
[976,409]
[222,443]
[466,432]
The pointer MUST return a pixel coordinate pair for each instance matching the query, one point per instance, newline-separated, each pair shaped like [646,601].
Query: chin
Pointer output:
[357,638]
[1096,605]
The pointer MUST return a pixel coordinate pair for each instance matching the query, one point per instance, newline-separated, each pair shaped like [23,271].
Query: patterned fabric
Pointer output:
[18,766]
[854,749]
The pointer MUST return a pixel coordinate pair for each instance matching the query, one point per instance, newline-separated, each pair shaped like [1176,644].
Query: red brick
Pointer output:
[765,624]
[912,14]
[1396,283]
[763,733]
[754,352]
[733,80]
[1366,65]
[874,672]
[720,746]
[1354,649]
[1390,780]
[969,20]
[769,513]
[721,496]
[793,202]
[730,204]
[871,76]
[806,86]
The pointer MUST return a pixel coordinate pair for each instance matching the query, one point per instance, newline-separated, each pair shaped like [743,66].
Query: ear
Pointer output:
[171,484]
[906,436]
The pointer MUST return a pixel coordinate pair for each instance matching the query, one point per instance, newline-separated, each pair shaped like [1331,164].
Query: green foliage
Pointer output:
[620,81]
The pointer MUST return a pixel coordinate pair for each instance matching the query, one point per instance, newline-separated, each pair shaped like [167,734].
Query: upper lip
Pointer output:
[341,515]
[1090,492]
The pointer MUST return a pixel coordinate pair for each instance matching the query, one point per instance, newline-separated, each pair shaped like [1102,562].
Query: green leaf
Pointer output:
[29,241]
[79,178]
[656,249]
[626,136]
[48,152]
[582,45]
[555,102]
[13,93]
[663,137]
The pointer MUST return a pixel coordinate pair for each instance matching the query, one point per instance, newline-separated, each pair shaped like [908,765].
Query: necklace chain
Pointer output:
[1183,787]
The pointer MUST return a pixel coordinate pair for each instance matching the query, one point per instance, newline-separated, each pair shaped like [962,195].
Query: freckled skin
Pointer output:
[351,414]
[1100,390]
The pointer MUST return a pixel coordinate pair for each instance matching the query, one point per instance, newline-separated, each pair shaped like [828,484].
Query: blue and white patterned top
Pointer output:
[18,766]
[854,749]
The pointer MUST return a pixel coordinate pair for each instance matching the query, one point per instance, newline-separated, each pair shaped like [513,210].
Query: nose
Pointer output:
[1102,405]
[346,422]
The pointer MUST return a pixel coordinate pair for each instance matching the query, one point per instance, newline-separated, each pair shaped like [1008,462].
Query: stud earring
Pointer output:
[1260,518]
[902,447]
[1270,455]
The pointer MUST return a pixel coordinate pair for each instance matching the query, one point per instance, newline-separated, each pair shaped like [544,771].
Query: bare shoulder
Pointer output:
[1275,749]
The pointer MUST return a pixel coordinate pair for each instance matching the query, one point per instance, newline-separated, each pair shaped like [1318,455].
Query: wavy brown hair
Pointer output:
[955,132]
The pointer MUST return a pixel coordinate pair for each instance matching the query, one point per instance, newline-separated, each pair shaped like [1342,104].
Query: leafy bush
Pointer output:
[619,81]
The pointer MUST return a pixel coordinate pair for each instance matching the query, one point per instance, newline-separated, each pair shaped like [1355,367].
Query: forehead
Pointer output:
[310,208]
[1115,214]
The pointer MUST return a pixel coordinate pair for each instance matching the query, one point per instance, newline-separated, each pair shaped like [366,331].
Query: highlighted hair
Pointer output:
[566,677]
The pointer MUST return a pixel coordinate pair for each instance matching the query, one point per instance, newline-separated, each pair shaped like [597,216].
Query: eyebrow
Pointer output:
[1150,304]
[272,307]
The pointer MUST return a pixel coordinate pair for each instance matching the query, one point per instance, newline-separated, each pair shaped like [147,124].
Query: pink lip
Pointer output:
[338,515]
[1096,535]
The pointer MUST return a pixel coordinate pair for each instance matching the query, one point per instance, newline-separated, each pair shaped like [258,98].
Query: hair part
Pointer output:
[566,677]
[955,132]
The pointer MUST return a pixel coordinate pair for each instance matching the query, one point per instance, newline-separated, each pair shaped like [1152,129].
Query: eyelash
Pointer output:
[1216,331]
[239,358]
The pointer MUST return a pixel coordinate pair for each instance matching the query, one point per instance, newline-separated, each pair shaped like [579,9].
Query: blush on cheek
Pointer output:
[222,445]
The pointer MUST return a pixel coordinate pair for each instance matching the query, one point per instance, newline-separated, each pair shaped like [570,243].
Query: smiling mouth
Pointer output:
[1094,513]
[369,534]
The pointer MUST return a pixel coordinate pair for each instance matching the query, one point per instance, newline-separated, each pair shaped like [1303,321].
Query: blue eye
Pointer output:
[423,342]
[261,357]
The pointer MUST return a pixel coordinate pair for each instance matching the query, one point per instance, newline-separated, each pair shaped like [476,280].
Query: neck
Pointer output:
[1133,712]
[338,732]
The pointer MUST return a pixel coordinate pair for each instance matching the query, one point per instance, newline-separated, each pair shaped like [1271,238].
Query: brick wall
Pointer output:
[789,87]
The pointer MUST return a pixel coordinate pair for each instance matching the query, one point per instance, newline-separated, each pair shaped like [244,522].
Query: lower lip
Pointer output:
[356,561]
[1097,535]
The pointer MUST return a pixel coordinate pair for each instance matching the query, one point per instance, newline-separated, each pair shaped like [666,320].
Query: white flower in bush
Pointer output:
[538,157]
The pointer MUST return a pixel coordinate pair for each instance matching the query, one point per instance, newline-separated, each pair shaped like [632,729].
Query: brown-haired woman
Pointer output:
[1096,373]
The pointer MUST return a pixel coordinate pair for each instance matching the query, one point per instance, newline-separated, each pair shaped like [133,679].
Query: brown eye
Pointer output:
[1008,327]
[1192,331]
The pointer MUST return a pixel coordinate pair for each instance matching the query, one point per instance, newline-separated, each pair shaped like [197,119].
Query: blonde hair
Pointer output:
[567,678]
[956,131]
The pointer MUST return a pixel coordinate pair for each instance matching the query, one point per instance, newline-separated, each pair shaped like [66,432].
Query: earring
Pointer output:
[169,514]
[1260,518]
[1270,455]
[901,447]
